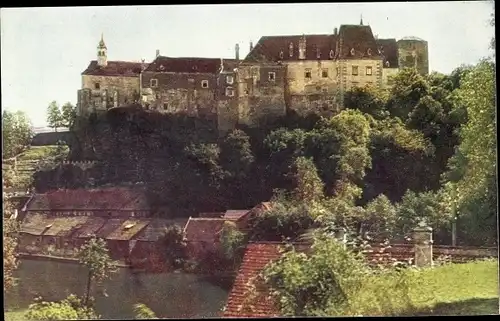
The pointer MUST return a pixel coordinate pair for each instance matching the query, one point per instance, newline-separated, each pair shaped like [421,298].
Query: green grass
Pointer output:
[39,152]
[17,315]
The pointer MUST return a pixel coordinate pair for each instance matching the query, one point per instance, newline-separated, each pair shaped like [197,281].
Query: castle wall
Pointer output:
[227,105]
[126,89]
[181,93]
[414,54]
[261,93]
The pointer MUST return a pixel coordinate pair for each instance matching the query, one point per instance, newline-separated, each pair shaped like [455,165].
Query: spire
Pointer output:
[361,22]
[101,43]
[102,59]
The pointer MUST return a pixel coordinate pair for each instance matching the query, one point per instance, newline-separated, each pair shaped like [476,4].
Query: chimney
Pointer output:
[251,46]
[157,52]
[237,51]
[335,31]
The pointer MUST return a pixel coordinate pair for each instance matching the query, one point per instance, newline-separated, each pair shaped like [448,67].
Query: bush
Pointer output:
[142,311]
[232,241]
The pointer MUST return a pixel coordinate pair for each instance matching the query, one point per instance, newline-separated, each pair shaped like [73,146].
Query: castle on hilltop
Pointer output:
[300,73]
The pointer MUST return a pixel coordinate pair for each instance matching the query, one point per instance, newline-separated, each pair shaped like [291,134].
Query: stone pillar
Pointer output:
[422,238]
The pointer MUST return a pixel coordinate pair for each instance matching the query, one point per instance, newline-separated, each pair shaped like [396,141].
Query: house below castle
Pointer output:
[281,74]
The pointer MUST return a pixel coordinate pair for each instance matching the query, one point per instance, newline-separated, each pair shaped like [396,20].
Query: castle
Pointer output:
[301,73]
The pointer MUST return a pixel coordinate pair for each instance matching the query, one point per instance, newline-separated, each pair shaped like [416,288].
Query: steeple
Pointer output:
[102,55]
[361,22]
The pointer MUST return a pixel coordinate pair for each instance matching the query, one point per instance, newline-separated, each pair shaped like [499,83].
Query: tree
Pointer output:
[10,262]
[175,245]
[94,255]
[16,132]
[308,185]
[54,116]
[68,115]
[142,311]
[236,155]
[368,100]
[70,308]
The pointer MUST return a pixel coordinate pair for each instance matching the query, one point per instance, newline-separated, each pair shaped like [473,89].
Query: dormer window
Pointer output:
[369,52]
[290,49]
[162,67]
[204,84]
[387,64]
[331,54]
[318,53]
[281,54]
[153,83]
[229,79]
[352,52]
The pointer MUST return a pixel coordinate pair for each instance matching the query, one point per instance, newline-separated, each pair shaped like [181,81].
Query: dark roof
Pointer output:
[36,224]
[128,229]
[62,226]
[156,228]
[203,229]
[187,65]
[389,50]
[235,215]
[90,227]
[114,68]
[360,38]
[268,48]
[105,199]
[256,257]
[109,227]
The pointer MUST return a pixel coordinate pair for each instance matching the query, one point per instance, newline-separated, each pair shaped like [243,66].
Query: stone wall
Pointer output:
[112,92]
[180,93]
[414,54]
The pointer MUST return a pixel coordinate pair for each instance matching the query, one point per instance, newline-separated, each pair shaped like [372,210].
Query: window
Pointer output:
[324,73]
[229,92]
[229,79]
[369,52]
[204,84]
[387,64]
[368,70]
[281,54]
[97,86]
[308,74]
[154,83]
[331,54]
[352,52]
[165,106]
[271,76]
[354,70]
[290,49]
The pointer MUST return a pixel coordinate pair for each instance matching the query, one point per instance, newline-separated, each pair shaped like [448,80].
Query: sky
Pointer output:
[45,50]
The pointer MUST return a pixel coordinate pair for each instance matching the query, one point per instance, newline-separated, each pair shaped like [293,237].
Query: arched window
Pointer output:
[352,51]
[281,54]
[290,49]
[331,54]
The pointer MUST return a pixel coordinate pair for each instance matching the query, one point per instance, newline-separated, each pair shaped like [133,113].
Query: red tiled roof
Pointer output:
[389,50]
[235,215]
[257,256]
[116,198]
[203,229]
[269,47]
[188,65]
[114,68]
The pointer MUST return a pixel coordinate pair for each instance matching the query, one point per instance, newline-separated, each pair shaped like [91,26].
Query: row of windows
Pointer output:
[153,83]
[324,72]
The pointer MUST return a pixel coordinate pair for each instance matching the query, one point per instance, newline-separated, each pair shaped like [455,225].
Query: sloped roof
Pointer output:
[114,68]
[203,229]
[62,226]
[235,215]
[156,227]
[389,50]
[128,229]
[109,227]
[90,227]
[35,223]
[107,199]
[268,48]
[256,257]
[360,38]
[187,65]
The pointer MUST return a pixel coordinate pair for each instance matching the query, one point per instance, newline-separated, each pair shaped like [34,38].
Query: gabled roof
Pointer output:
[107,199]
[109,227]
[256,257]
[203,229]
[36,224]
[114,68]
[389,50]
[156,228]
[268,48]
[127,230]
[63,226]
[360,38]
[186,65]
[235,215]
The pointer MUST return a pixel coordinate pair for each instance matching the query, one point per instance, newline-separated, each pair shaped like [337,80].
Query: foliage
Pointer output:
[142,311]
[10,262]
[236,154]
[16,132]
[407,90]
[175,246]
[308,185]
[368,100]
[54,116]
[70,308]
[232,241]
[68,115]
[379,218]
[95,256]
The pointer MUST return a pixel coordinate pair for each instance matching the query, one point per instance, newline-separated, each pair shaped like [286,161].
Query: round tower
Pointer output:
[413,52]
[102,53]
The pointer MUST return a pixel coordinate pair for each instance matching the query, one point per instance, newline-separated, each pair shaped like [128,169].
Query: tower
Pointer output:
[102,56]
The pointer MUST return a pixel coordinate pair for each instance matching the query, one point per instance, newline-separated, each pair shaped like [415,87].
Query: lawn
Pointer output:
[451,289]
[39,152]
[17,315]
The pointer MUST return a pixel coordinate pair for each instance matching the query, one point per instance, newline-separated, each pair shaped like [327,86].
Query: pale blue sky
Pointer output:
[44,50]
